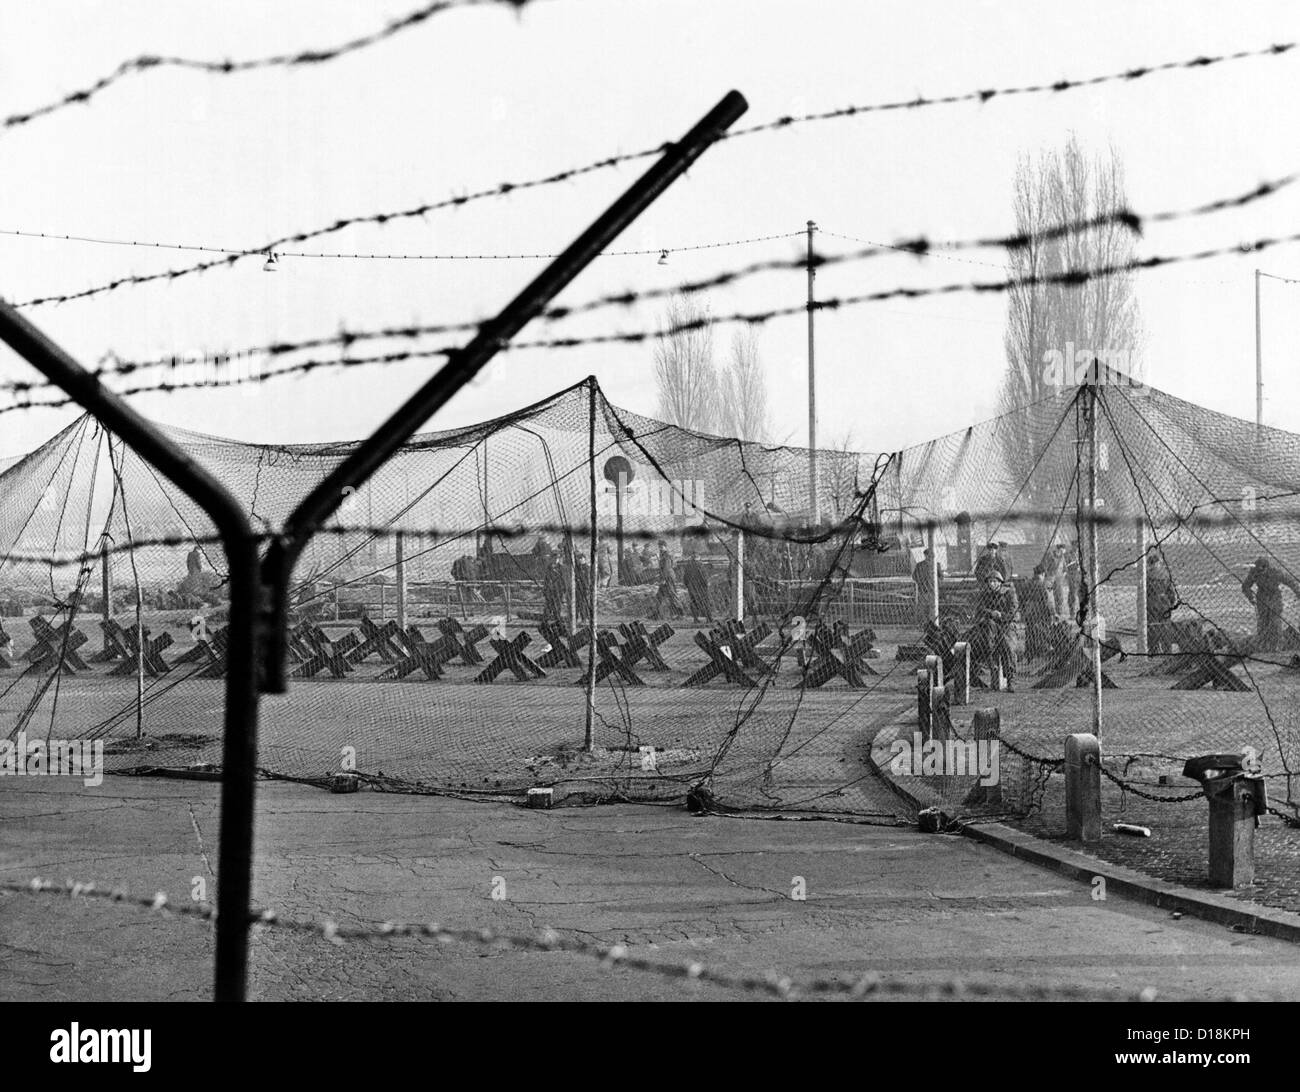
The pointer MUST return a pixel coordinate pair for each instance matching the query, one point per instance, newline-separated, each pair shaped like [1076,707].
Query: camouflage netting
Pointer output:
[750,643]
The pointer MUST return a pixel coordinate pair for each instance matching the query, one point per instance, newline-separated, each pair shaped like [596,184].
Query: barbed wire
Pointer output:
[773,983]
[147,62]
[660,250]
[934,252]
[988,94]
[505,188]
[919,246]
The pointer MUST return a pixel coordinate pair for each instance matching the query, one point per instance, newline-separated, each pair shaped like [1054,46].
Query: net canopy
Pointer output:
[753,634]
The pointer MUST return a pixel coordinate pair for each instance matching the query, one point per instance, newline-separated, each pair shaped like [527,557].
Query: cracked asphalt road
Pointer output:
[670,886]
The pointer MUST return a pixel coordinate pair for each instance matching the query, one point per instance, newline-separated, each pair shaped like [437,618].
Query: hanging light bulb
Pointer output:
[663,257]
[272,262]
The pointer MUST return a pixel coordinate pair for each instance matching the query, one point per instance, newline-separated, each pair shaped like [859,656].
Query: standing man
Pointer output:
[667,598]
[1056,572]
[582,587]
[1159,605]
[697,588]
[994,614]
[605,566]
[991,560]
[647,563]
[554,592]
[1038,615]
[925,588]
[1263,587]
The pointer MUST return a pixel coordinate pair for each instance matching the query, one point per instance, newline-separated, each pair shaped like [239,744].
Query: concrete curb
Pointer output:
[1207,905]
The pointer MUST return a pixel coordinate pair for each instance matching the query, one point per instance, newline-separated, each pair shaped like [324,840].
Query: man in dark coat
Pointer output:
[582,587]
[666,600]
[554,591]
[1159,605]
[991,560]
[995,611]
[697,588]
[1038,615]
[1263,587]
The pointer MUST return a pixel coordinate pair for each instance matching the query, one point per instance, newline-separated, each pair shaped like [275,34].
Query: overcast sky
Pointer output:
[479,96]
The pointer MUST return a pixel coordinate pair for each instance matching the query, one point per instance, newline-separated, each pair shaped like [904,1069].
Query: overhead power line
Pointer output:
[751,318]
[918,247]
[54,237]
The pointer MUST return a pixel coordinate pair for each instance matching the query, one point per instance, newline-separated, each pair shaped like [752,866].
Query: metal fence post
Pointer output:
[258,588]
[240,545]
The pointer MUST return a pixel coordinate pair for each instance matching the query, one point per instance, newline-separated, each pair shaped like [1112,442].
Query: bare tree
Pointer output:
[841,474]
[685,375]
[742,409]
[1054,331]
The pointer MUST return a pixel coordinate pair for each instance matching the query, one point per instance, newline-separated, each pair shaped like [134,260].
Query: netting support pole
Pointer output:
[589,733]
[106,582]
[1094,567]
[1142,636]
[740,575]
[399,545]
[139,659]
[932,607]
[239,541]
[572,566]
[1259,365]
[814,505]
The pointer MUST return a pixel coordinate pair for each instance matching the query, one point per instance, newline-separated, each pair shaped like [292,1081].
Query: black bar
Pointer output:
[240,543]
[463,365]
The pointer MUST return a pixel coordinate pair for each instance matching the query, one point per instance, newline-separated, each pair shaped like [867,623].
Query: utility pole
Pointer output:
[1094,569]
[814,503]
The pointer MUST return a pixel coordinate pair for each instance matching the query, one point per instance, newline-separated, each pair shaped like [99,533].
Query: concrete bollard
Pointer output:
[1083,787]
[934,665]
[986,725]
[962,674]
[1233,809]
[940,721]
[923,702]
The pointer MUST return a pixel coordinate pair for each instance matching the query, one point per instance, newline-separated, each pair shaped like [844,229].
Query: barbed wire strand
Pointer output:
[773,983]
[505,188]
[920,247]
[1071,278]
[147,62]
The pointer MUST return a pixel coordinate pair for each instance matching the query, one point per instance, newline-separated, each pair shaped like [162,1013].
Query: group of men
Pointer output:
[1053,597]
[668,602]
